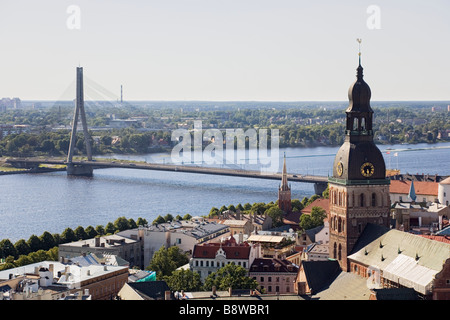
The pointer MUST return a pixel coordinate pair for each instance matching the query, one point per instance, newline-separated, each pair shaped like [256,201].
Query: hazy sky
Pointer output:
[283,50]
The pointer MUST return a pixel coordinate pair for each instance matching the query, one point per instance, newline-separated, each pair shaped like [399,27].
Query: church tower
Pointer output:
[284,192]
[358,188]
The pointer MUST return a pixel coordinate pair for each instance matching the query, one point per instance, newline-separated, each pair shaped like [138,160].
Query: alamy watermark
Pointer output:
[374,20]
[237,147]
[73,21]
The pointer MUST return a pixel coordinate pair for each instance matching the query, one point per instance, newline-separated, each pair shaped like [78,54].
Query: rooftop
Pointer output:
[408,259]
[197,229]
[231,249]
[105,241]
[420,187]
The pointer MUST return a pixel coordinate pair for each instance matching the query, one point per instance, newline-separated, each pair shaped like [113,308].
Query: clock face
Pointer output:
[340,168]
[367,169]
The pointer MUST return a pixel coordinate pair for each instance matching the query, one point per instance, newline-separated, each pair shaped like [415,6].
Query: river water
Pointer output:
[34,203]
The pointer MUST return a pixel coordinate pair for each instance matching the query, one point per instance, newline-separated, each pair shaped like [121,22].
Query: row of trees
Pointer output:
[298,125]
[35,247]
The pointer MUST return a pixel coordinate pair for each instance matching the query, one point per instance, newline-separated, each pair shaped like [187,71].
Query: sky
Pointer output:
[225,50]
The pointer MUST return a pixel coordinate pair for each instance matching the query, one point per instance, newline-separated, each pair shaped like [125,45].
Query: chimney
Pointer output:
[230,291]
[241,238]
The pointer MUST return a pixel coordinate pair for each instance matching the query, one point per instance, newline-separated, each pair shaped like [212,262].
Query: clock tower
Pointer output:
[358,188]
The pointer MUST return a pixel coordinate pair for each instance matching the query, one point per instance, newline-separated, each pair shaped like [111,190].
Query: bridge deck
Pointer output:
[170,167]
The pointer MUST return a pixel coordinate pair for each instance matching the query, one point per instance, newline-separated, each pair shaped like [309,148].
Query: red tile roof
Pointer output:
[293,218]
[231,248]
[420,187]
[445,239]
[321,203]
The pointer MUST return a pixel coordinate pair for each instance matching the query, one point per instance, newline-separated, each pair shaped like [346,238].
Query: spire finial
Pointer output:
[359,53]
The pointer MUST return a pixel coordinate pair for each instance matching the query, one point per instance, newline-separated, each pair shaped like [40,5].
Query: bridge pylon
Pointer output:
[79,170]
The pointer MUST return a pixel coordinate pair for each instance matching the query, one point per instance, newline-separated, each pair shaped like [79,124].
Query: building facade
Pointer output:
[210,257]
[274,275]
[125,248]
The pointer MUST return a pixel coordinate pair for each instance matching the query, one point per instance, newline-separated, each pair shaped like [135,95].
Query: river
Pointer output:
[34,203]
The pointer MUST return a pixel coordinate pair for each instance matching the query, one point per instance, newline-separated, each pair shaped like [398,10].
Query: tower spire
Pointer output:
[284,182]
[360,68]
[359,53]
[284,192]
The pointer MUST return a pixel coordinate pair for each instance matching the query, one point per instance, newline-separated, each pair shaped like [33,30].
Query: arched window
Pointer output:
[361,200]
[334,250]
[339,224]
[374,200]
[340,252]
[355,124]
[363,124]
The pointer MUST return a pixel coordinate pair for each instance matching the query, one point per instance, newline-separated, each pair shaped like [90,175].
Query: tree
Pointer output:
[317,215]
[306,222]
[187,217]
[186,280]
[121,224]
[90,232]
[168,218]
[67,236]
[110,228]
[47,241]
[276,214]
[158,220]
[213,212]
[162,264]
[132,224]
[165,261]
[222,209]
[258,207]
[80,234]
[230,276]
[23,260]
[178,256]
[22,247]
[297,206]
[7,249]
[315,219]
[34,243]
[100,230]
[141,222]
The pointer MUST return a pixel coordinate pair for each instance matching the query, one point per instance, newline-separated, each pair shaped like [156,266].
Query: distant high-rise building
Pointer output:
[284,192]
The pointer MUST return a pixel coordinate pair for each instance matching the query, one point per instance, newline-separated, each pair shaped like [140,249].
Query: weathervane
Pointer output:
[359,53]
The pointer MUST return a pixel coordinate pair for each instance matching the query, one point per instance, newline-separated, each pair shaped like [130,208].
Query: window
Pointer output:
[261,279]
[340,252]
[374,200]
[361,200]
[334,250]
